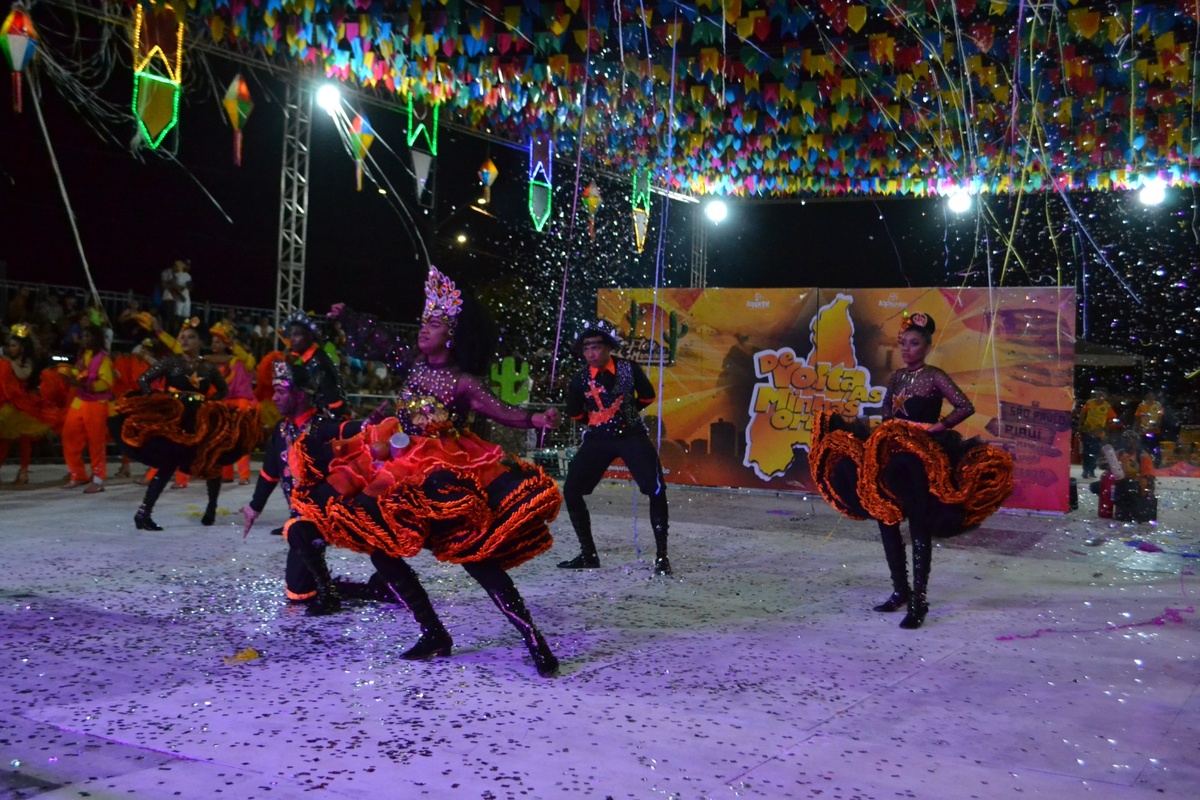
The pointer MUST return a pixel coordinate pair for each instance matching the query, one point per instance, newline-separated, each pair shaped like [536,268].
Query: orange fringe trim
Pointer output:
[978,484]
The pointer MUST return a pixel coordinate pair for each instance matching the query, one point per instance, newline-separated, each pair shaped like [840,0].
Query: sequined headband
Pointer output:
[20,330]
[281,373]
[442,300]
[303,320]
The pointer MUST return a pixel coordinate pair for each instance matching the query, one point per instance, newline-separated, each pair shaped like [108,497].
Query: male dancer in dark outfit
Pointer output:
[314,369]
[295,403]
[298,415]
[608,395]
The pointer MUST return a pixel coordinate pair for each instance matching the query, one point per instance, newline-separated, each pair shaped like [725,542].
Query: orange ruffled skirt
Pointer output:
[899,469]
[459,495]
[198,436]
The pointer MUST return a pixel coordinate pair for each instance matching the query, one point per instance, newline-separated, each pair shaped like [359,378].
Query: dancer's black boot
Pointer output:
[918,607]
[506,597]
[142,519]
[897,561]
[510,602]
[658,522]
[588,558]
[306,539]
[214,492]
[402,583]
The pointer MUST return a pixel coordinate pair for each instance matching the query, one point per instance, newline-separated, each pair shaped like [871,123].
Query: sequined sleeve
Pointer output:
[471,392]
[155,371]
[367,340]
[218,381]
[963,407]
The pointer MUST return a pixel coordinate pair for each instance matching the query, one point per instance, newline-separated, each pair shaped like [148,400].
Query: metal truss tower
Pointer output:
[293,205]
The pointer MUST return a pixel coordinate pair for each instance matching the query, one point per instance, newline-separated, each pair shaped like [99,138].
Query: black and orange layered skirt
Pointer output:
[459,496]
[899,471]
[169,431]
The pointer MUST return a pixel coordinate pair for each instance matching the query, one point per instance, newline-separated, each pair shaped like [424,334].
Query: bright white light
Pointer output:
[959,202]
[1153,192]
[715,210]
[461,238]
[329,97]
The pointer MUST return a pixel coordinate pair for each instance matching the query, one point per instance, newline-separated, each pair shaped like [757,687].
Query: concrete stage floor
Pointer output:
[1061,658]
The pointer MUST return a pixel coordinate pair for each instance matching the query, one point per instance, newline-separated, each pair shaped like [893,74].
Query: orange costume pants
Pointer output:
[86,426]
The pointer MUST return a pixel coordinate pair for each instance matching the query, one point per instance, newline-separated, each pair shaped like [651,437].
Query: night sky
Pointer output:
[138,211]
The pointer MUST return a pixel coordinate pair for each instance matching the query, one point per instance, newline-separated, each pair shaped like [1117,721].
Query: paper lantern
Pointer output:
[487,176]
[238,106]
[19,41]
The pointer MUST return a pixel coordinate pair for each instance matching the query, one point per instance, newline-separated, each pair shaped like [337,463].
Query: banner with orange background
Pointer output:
[741,373]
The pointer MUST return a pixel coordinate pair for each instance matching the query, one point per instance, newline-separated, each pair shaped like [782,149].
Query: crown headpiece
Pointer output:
[442,300]
[20,330]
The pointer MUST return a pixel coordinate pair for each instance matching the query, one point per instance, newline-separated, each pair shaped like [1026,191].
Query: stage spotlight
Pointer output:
[959,201]
[716,211]
[1153,192]
[329,97]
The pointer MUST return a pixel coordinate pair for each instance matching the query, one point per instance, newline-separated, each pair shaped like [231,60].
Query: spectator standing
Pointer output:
[20,308]
[1094,420]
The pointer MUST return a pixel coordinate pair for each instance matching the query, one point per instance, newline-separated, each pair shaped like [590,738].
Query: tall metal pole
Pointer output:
[293,205]
[699,249]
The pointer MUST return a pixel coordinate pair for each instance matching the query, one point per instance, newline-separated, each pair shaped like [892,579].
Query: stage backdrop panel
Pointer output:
[741,373]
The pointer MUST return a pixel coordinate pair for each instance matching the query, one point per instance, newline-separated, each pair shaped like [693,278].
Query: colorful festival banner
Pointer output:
[742,373]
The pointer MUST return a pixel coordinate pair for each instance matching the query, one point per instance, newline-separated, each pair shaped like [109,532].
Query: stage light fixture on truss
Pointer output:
[329,98]
[1153,191]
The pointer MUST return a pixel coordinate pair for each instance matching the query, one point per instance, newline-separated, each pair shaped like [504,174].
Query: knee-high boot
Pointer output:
[214,492]
[142,519]
[305,538]
[581,520]
[918,606]
[897,561]
[402,583]
[504,594]
[658,522]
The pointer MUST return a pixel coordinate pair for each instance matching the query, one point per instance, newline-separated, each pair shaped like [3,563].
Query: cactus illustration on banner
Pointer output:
[510,383]
[673,334]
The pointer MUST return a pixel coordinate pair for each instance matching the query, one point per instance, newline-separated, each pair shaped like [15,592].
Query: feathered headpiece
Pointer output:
[20,330]
[601,328]
[442,300]
[223,331]
[918,320]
